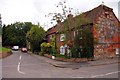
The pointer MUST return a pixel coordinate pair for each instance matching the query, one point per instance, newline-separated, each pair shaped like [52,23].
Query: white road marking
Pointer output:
[20,57]
[78,77]
[18,67]
[105,74]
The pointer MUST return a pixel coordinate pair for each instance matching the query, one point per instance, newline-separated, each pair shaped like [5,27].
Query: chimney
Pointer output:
[58,21]
[70,16]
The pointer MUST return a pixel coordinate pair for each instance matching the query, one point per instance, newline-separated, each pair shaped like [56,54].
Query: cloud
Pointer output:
[18,10]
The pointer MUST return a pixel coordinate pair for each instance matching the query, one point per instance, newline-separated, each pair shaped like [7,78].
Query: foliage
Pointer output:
[35,36]
[59,55]
[15,34]
[84,42]
[45,48]
[3,49]
[53,42]
[74,52]
[62,15]
[70,24]
[45,45]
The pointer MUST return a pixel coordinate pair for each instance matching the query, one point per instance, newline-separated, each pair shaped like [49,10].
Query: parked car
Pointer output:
[24,50]
[15,48]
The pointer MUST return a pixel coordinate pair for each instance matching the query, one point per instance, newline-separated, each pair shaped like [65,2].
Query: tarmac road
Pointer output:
[25,65]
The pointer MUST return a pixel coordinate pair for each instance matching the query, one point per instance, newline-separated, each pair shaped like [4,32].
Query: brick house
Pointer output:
[104,26]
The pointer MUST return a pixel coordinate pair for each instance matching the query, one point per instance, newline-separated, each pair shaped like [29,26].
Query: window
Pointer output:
[77,32]
[62,37]
[80,37]
[106,14]
[74,33]
[62,50]
[51,36]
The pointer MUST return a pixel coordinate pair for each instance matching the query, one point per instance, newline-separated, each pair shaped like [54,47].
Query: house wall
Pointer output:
[61,43]
[106,33]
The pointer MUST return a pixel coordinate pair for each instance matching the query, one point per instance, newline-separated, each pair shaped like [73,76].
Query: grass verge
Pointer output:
[3,49]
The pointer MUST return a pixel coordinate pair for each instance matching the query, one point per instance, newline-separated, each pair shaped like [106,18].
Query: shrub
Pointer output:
[45,48]
[59,55]
[74,52]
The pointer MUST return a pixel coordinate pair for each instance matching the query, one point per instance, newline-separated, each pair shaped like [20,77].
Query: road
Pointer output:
[24,65]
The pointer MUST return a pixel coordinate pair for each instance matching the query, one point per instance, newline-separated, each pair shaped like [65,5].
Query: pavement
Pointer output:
[77,65]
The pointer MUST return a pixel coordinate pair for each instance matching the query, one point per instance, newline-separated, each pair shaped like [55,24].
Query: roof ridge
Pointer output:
[97,7]
[90,14]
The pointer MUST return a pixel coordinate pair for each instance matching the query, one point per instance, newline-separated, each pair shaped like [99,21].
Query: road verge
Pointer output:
[5,54]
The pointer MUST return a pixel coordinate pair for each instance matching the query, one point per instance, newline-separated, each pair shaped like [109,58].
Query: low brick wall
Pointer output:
[66,59]
[3,55]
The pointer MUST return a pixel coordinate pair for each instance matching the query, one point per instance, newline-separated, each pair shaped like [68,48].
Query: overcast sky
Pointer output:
[35,10]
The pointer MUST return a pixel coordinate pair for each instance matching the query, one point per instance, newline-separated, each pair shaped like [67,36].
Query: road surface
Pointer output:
[24,65]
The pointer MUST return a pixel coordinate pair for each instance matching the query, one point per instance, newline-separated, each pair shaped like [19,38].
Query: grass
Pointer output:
[3,49]
[59,55]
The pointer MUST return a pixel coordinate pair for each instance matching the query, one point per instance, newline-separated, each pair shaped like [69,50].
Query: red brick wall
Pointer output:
[104,23]
[108,23]
[62,43]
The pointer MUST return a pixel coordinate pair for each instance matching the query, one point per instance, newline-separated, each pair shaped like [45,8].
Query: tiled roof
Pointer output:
[94,12]
[88,15]
[52,30]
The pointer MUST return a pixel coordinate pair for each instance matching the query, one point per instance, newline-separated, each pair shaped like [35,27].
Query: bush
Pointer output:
[59,55]
[45,45]
[45,48]
[74,52]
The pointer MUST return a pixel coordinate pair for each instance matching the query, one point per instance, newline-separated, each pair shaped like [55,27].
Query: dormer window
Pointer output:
[106,14]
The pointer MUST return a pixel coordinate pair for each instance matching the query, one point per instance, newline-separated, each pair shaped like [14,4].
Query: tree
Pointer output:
[69,24]
[84,42]
[15,34]
[35,36]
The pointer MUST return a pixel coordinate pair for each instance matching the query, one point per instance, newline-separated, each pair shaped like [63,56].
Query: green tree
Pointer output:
[15,34]
[84,42]
[36,36]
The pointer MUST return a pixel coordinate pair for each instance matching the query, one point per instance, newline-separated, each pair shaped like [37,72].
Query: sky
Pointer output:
[35,10]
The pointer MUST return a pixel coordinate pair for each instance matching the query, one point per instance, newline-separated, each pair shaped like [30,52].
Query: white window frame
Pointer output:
[62,50]
[62,37]
[51,36]
[74,33]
